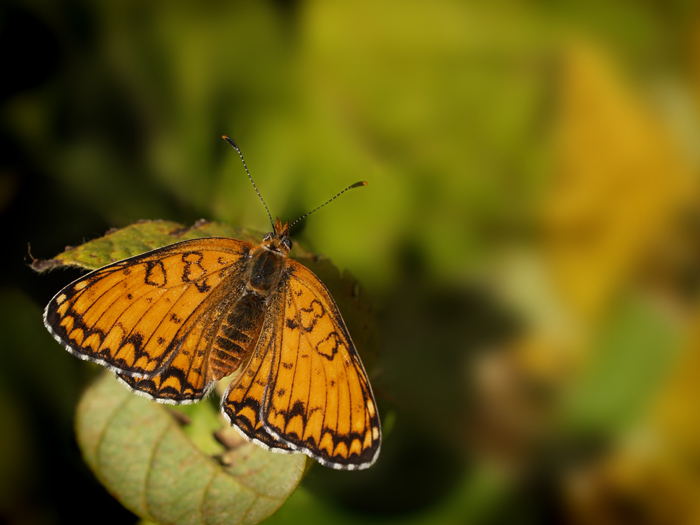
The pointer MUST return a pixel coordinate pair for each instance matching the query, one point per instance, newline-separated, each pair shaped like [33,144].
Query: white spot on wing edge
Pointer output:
[80,355]
[85,357]
[251,439]
[166,401]
[325,463]
[116,370]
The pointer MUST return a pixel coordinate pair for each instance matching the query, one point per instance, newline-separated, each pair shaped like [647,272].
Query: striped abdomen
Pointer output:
[237,335]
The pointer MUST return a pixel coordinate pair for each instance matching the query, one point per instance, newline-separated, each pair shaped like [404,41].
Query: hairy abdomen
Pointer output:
[237,335]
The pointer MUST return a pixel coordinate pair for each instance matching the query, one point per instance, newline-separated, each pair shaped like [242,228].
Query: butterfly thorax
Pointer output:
[240,328]
[267,260]
[265,271]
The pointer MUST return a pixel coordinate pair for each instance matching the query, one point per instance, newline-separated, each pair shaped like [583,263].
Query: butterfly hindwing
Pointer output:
[152,311]
[319,400]
[185,379]
[243,401]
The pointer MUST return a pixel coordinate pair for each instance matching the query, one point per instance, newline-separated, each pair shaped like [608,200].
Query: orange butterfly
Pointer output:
[172,321]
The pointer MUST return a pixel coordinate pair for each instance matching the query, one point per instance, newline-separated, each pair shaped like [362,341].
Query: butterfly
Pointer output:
[173,321]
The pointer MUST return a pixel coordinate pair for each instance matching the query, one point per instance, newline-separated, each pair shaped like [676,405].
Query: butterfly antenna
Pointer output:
[235,146]
[356,185]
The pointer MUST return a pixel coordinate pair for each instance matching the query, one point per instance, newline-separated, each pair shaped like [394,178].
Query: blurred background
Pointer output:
[530,234]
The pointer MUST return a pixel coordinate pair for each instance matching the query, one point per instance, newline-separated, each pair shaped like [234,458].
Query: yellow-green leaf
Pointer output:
[139,238]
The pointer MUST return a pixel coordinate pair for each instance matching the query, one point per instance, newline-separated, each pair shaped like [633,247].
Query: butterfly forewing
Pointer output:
[319,399]
[139,315]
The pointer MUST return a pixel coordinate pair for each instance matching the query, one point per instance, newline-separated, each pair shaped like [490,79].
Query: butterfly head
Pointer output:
[278,240]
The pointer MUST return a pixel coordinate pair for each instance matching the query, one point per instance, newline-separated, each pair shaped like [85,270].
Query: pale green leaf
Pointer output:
[141,453]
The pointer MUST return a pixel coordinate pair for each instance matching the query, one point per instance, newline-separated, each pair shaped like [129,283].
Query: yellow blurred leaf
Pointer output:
[620,181]
[676,421]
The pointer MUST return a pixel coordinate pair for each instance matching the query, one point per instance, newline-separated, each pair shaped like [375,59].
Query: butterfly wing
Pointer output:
[317,398]
[185,378]
[244,398]
[150,312]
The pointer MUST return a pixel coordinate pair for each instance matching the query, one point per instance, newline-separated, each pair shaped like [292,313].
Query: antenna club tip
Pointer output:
[229,140]
[358,184]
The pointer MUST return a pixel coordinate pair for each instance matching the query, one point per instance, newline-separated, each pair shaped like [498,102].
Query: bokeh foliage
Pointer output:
[528,235]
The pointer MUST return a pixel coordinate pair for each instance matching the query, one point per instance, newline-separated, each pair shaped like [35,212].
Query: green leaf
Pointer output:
[144,457]
[144,236]
[635,353]
[139,238]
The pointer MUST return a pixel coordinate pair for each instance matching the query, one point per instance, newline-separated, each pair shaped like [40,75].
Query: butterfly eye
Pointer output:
[267,237]
[287,243]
